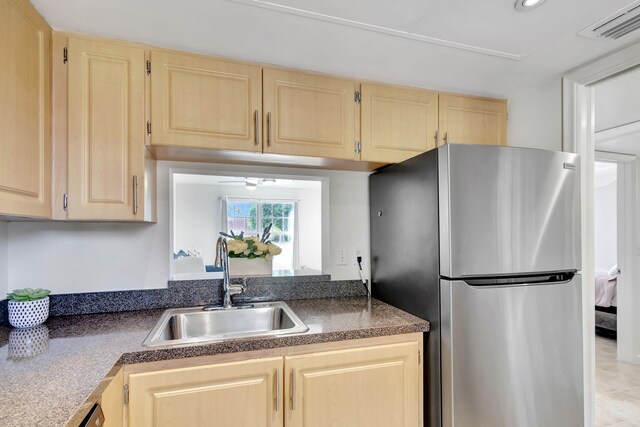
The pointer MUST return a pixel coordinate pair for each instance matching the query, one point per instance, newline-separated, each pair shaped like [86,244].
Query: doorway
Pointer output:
[580,136]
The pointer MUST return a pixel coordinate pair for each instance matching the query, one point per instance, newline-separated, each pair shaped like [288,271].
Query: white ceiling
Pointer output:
[485,47]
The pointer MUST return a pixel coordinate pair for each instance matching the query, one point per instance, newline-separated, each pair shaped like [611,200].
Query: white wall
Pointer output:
[606,226]
[617,101]
[310,227]
[535,116]
[86,257]
[4,259]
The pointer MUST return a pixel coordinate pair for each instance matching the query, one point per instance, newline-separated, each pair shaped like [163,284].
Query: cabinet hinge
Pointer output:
[148,128]
[148,67]
[65,201]
[125,394]
[65,55]
[357,147]
[419,357]
[357,97]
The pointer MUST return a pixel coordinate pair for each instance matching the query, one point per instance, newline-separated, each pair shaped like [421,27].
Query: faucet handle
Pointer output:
[236,289]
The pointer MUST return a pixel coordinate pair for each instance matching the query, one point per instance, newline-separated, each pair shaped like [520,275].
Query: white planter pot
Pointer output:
[26,314]
[250,267]
[28,342]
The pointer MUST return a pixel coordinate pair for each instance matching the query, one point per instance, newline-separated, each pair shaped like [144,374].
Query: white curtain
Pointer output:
[296,238]
[223,216]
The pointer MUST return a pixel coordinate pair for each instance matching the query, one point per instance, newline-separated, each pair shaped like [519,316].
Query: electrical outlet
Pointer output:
[342,256]
[357,251]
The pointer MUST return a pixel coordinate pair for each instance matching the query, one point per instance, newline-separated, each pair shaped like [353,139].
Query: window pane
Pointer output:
[285,225]
[245,208]
[266,222]
[277,210]
[253,219]
[267,210]
[287,209]
[277,224]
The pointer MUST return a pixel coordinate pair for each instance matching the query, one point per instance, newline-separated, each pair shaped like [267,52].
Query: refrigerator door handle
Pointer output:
[502,282]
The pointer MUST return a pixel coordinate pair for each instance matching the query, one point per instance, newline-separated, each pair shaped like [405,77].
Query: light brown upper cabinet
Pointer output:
[397,123]
[472,120]
[106,132]
[375,386]
[310,115]
[25,111]
[244,393]
[205,102]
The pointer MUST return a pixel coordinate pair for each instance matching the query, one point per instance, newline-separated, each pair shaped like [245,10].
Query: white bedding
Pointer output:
[605,289]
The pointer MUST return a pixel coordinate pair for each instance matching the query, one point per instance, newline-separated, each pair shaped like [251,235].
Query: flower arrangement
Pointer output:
[251,247]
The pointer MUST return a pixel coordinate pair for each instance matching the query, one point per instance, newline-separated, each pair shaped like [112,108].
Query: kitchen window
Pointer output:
[253,216]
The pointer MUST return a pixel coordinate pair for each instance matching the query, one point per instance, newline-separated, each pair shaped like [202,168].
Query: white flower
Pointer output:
[237,246]
[247,252]
[258,253]
[274,249]
[262,247]
[268,257]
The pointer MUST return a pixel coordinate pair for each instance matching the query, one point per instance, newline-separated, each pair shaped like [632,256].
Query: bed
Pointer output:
[606,302]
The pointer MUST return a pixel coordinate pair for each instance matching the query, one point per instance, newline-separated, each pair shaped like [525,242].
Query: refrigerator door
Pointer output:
[507,210]
[512,355]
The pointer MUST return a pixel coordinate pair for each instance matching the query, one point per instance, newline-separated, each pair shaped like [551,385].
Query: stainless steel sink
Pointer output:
[182,326]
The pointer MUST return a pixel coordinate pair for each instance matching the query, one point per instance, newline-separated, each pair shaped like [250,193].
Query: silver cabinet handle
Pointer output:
[446,137]
[436,137]
[269,129]
[293,390]
[256,124]
[277,399]
[135,194]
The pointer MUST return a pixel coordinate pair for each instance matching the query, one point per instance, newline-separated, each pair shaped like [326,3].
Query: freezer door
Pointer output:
[507,210]
[512,356]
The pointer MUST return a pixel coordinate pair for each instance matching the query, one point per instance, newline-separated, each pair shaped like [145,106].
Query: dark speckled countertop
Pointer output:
[78,354]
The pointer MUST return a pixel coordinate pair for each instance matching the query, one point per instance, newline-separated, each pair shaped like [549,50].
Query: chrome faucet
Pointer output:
[222,261]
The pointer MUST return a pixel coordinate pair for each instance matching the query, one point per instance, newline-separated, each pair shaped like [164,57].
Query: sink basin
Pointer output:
[182,326]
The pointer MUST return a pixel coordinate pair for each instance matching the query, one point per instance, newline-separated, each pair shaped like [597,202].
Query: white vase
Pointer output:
[250,267]
[26,314]
[28,342]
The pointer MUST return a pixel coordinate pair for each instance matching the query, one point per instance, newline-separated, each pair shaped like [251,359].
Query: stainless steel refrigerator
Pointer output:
[484,242]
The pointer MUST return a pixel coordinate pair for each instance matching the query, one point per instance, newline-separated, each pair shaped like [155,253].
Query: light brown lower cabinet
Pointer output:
[370,382]
[232,394]
[371,386]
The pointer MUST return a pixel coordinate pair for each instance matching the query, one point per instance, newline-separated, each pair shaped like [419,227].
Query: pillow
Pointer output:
[614,270]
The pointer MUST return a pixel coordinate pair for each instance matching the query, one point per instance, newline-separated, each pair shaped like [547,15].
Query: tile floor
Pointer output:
[617,388]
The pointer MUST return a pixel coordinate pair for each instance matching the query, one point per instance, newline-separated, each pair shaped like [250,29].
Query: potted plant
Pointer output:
[28,307]
[251,255]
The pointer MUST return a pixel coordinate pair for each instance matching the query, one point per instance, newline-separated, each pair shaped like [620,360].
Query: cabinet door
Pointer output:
[471,120]
[106,130]
[371,386]
[309,115]
[204,102]
[236,394]
[25,111]
[397,123]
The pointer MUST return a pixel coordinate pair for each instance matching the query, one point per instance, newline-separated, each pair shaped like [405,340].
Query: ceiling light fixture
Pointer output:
[528,4]
[251,185]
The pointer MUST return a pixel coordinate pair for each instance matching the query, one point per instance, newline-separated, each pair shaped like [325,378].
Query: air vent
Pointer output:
[616,25]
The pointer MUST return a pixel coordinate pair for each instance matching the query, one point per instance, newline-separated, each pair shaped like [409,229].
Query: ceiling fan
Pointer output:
[250,183]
